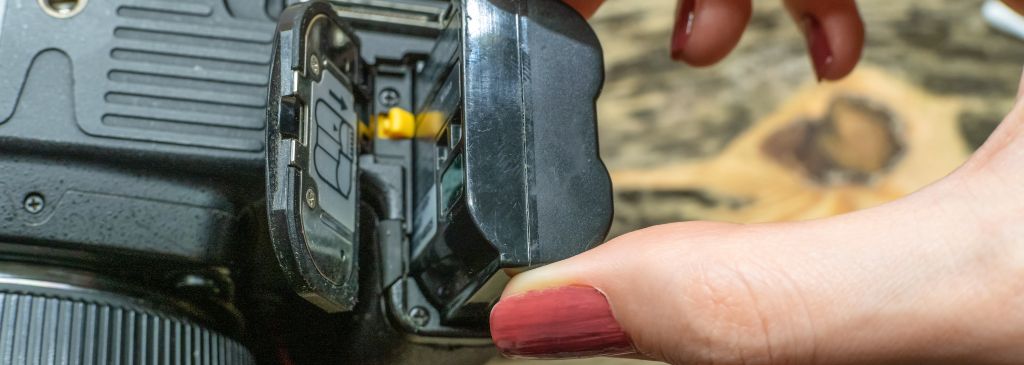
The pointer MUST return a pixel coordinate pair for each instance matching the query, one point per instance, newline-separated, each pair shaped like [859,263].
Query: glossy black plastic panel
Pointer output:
[316,108]
[508,134]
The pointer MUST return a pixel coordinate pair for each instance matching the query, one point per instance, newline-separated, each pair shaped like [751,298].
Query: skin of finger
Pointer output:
[933,277]
[996,156]
[717,28]
[843,27]
[820,291]
[990,310]
[587,8]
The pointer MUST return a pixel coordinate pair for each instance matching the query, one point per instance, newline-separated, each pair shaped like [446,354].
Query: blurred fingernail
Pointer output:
[817,45]
[566,322]
[683,28]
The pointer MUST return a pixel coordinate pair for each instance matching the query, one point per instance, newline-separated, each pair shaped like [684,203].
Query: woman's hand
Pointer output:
[707,30]
[936,277]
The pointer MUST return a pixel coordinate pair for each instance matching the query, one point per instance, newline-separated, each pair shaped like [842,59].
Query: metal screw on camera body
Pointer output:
[62,8]
[311,198]
[34,203]
[389,97]
[419,316]
[314,64]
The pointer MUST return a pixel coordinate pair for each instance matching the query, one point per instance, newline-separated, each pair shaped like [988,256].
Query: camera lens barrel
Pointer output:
[59,316]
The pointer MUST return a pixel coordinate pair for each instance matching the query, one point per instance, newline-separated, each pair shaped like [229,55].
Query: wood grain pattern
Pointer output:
[686,143]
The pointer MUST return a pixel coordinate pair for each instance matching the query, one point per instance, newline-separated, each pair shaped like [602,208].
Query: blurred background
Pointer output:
[756,138]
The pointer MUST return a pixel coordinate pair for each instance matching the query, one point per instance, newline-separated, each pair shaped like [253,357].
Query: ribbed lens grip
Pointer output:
[69,329]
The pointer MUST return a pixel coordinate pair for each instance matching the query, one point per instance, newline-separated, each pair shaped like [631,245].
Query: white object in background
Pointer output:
[1001,17]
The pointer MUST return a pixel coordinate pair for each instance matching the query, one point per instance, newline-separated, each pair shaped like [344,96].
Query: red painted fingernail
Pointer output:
[683,28]
[817,44]
[566,322]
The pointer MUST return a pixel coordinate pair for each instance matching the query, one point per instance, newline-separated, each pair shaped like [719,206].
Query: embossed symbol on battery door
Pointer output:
[335,144]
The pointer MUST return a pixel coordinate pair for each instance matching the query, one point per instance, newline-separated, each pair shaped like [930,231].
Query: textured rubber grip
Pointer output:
[38,328]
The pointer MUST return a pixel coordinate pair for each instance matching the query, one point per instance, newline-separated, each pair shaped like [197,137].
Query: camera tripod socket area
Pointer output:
[62,8]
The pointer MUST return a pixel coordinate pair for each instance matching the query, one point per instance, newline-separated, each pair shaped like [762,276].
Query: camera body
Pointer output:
[173,173]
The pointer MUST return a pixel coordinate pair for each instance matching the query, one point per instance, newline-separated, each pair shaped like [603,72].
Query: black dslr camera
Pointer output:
[174,172]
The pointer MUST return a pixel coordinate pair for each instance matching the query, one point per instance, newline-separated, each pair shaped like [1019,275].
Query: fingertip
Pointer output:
[603,302]
[846,32]
[835,35]
[706,31]
[536,279]
[565,322]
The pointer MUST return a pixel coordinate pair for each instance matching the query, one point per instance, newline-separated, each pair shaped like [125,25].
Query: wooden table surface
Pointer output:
[756,138]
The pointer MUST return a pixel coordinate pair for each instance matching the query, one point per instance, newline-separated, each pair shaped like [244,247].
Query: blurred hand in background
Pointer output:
[707,30]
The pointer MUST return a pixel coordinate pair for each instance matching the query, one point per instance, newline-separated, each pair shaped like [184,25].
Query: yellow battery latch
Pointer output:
[398,123]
